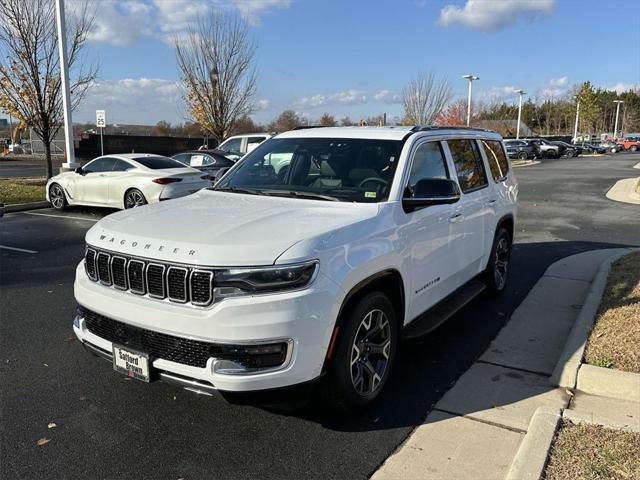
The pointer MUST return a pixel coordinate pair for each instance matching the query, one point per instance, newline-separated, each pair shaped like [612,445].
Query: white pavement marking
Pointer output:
[23,250]
[61,216]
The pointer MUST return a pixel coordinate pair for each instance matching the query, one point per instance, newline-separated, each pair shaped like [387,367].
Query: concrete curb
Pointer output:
[21,207]
[637,165]
[529,163]
[625,191]
[531,459]
[606,382]
[579,418]
[565,374]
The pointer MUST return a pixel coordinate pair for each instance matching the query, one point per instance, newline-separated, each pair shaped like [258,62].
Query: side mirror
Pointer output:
[220,173]
[431,191]
[79,171]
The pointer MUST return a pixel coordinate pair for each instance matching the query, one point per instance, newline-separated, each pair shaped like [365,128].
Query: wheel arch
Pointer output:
[389,282]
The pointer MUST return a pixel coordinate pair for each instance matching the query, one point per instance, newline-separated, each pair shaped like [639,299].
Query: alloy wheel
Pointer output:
[57,196]
[370,352]
[134,199]
[501,266]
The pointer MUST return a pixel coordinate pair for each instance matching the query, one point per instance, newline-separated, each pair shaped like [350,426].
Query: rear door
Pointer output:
[473,208]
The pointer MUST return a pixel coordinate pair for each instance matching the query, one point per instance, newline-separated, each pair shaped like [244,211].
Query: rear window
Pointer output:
[158,163]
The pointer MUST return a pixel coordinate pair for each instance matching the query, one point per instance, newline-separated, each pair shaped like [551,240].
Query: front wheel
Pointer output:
[57,197]
[634,148]
[523,156]
[134,198]
[497,271]
[365,351]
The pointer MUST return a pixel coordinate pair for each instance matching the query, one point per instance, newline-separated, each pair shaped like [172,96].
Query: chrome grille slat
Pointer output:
[158,280]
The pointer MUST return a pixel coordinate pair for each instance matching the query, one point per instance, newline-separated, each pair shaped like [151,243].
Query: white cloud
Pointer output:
[622,87]
[348,97]
[123,23]
[263,104]
[493,15]
[501,92]
[133,100]
[387,96]
[558,82]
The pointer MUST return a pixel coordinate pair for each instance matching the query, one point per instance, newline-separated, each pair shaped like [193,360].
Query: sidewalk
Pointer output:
[476,429]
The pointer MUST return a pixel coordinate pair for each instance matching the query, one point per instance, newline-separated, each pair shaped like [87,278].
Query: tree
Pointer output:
[287,120]
[30,85]
[162,129]
[346,122]
[454,114]
[424,97]
[328,121]
[244,124]
[216,58]
[589,108]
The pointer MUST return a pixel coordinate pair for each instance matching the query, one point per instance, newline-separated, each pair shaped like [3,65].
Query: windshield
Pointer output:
[344,169]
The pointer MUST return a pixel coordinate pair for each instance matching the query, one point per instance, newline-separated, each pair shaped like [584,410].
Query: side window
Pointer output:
[253,142]
[122,166]
[497,159]
[232,145]
[468,162]
[428,162]
[182,158]
[100,165]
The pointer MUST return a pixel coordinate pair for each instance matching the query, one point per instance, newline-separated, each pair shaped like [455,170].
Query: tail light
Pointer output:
[166,180]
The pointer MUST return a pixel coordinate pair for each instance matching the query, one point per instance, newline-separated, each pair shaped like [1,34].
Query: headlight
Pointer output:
[247,281]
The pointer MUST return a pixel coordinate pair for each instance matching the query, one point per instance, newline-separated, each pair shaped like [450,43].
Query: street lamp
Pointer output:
[521,92]
[575,130]
[615,126]
[471,78]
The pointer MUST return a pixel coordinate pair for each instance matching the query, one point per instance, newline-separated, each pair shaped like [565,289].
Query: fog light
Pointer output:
[245,359]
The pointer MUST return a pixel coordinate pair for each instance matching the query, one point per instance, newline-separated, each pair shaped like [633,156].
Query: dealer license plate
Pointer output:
[131,363]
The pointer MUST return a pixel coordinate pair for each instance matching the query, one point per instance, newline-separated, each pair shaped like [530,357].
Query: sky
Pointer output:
[352,57]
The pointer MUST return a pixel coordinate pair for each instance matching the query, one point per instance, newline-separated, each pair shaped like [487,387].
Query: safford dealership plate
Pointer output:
[131,363]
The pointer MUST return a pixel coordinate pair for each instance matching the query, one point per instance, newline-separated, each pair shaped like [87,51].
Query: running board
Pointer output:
[435,316]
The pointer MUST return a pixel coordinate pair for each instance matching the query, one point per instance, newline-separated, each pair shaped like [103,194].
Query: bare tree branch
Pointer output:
[424,97]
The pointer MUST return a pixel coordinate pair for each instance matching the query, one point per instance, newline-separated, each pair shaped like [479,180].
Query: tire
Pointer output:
[497,272]
[134,198]
[356,375]
[552,154]
[523,155]
[57,197]
[634,148]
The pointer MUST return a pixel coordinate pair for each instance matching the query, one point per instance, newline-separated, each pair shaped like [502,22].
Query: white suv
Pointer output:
[237,146]
[309,267]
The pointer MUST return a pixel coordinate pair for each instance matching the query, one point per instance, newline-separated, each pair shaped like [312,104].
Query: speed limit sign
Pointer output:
[101,118]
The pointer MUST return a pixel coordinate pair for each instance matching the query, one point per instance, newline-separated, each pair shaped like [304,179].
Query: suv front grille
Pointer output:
[179,284]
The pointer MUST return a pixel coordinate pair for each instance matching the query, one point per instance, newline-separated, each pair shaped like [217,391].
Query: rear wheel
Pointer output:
[497,271]
[134,198]
[523,155]
[364,354]
[57,197]
[552,154]
[634,148]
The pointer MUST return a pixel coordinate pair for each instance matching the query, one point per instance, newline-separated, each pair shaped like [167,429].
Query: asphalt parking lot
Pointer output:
[111,427]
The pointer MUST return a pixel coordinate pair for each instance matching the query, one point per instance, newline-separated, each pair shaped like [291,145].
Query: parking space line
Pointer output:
[61,216]
[23,250]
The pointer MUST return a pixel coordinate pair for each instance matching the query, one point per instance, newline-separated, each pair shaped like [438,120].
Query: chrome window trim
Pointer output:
[144,277]
[210,299]
[186,284]
[126,272]
[109,282]
[164,286]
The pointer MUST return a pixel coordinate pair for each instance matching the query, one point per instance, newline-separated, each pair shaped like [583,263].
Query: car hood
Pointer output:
[222,229]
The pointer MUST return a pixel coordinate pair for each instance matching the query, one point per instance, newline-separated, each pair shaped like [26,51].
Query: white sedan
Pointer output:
[124,181]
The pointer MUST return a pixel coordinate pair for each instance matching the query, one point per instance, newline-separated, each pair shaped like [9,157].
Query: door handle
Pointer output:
[458,217]
[491,202]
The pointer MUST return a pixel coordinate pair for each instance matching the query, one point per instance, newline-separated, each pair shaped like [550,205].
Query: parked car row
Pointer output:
[531,148]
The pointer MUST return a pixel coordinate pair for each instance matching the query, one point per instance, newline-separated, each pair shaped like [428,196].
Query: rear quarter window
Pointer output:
[158,163]
[498,163]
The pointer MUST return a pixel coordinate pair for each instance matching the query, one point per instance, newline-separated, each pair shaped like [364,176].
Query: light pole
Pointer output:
[70,164]
[471,78]
[575,130]
[521,92]
[615,126]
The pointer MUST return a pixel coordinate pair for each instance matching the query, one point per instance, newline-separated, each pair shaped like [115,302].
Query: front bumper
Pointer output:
[305,318]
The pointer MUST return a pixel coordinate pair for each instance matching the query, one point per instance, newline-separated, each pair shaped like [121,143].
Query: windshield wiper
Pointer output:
[299,194]
[249,191]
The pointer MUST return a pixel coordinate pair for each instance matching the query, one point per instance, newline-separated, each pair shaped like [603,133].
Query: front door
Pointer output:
[433,234]
[94,186]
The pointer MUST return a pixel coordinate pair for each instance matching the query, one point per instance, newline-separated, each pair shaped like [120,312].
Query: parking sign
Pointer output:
[101,118]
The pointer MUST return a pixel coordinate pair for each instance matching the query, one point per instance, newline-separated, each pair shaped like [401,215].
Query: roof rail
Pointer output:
[305,127]
[426,128]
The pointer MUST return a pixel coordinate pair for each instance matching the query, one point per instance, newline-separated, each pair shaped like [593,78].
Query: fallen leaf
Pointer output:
[82,398]
[70,339]
[43,441]
[46,365]
[569,392]
[52,425]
